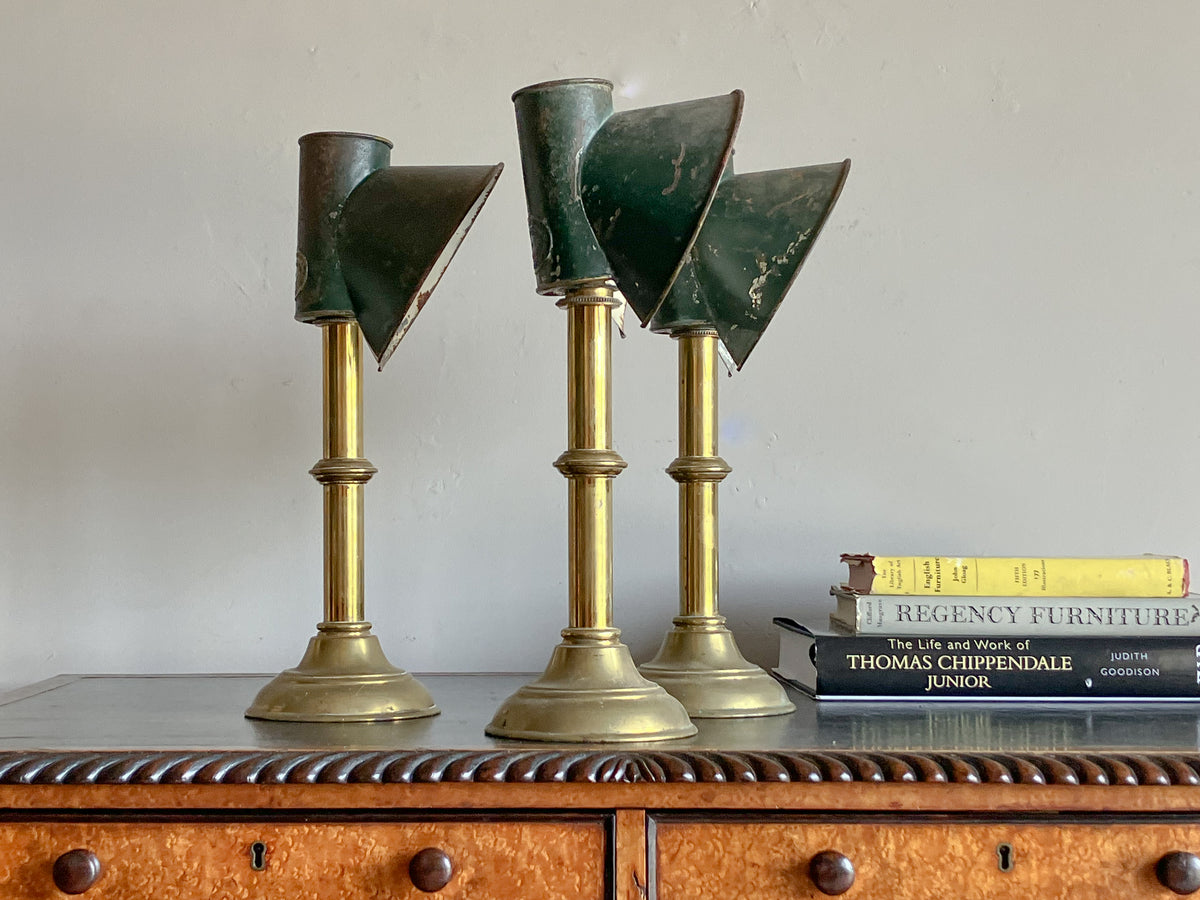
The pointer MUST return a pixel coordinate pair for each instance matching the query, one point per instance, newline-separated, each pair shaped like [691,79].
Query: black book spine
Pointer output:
[983,667]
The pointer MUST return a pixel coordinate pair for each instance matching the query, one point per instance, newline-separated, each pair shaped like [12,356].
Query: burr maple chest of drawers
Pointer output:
[118,788]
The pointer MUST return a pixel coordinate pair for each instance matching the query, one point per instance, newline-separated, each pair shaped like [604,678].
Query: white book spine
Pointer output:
[1033,616]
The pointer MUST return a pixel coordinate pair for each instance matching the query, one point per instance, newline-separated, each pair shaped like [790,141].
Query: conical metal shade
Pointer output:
[759,231]
[647,181]
[399,230]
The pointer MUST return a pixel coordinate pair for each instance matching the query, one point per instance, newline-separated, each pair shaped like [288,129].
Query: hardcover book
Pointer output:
[991,576]
[956,667]
[1024,616]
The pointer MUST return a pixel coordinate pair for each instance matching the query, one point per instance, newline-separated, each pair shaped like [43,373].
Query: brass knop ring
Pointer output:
[691,469]
[343,470]
[590,461]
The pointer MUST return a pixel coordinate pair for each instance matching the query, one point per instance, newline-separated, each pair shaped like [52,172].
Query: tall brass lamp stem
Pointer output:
[698,470]
[699,662]
[591,690]
[589,463]
[343,472]
[344,675]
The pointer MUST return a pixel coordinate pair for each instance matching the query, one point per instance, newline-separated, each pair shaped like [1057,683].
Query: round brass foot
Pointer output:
[343,677]
[699,664]
[591,692]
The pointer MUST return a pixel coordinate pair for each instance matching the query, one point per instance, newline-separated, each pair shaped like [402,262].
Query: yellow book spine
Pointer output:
[992,576]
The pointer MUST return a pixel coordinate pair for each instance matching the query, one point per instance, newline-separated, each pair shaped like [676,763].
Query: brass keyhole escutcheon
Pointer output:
[1005,858]
[258,856]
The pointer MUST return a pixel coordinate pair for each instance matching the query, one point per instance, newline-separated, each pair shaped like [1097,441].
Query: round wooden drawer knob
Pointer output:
[1179,871]
[76,871]
[430,870]
[831,872]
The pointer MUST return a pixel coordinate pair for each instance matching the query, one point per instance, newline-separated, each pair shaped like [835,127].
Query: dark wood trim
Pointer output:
[592,766]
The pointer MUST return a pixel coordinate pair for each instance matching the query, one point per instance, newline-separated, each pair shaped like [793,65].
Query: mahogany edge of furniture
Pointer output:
[592,766]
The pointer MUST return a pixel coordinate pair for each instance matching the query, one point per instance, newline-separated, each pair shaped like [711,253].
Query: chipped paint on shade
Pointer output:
[759,231]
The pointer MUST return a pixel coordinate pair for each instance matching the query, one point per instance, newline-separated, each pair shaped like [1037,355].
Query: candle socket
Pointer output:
[699,662]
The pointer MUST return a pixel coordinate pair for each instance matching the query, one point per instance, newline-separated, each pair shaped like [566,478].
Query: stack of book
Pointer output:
[948,628]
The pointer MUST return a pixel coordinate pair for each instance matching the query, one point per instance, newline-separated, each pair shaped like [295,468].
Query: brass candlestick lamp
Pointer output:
[653,171]
[758,233]
[720,278]
[373,242]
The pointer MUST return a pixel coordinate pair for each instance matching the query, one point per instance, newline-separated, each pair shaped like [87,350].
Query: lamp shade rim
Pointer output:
[561,82]
[315,135]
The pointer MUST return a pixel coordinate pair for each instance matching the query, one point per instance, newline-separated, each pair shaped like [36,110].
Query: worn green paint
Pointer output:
[332,165]
[399,229]
[647,199]
[648,178]
[555,122]
[374,239]
[757,234]
[617,197]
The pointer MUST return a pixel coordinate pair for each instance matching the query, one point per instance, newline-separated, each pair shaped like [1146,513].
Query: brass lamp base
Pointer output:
[343,677]
[591,691]
[699,664]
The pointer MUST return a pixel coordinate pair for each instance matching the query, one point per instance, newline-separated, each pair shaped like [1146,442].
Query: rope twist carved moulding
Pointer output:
[594,767]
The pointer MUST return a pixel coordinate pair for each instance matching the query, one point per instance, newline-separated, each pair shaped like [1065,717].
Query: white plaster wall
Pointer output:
[990,351]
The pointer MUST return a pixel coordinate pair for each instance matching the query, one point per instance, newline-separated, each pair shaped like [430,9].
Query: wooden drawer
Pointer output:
[314,861]
[921,859]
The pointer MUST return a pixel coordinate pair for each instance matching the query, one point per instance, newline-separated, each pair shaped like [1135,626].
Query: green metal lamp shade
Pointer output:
[399,230]
[646,199]
[758,232]
[375,239]
[647,181]
[617,197]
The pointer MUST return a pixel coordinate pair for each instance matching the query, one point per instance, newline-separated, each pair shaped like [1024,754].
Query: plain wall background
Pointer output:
[991,349]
